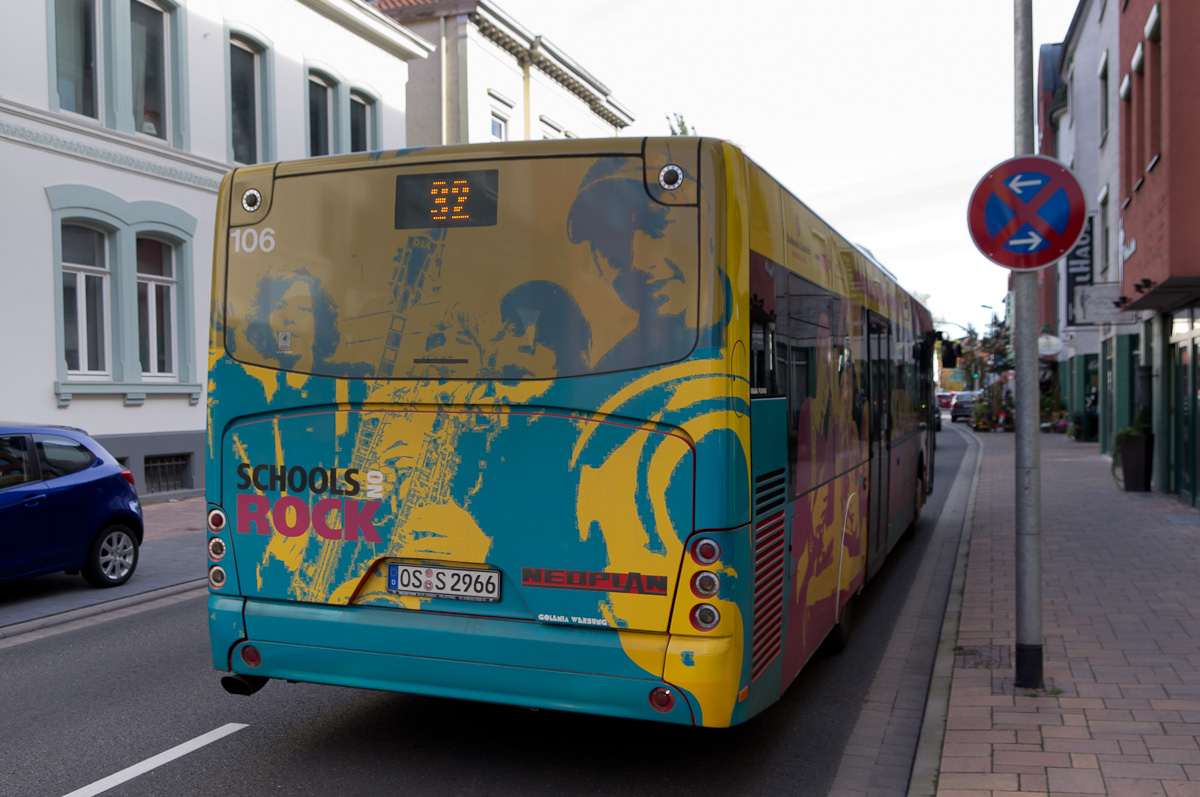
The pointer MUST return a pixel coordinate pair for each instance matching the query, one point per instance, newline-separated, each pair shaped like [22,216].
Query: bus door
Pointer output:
[879,350]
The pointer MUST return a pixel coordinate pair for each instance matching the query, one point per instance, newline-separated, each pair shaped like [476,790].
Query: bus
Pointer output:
[614,426]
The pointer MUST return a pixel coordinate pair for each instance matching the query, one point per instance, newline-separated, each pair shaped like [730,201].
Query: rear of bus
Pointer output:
[475,429]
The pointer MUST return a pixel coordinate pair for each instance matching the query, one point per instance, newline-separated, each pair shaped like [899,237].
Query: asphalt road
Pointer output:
[87,702]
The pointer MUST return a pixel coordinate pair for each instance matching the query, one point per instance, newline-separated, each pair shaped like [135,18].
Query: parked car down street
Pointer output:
[963,405]
[65,505]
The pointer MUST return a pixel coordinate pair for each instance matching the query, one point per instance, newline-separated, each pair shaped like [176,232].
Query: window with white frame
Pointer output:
[499,127]
[85,279]
[156,309]
[362,110]
[148,42]
[75,50]
[320,114]
[245,104]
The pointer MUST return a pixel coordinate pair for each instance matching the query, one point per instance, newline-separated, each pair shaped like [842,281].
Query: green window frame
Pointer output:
[123,223]
[249,40]
[109,48]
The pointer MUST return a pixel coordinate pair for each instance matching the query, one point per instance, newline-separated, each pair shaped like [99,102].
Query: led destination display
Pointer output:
[447,199]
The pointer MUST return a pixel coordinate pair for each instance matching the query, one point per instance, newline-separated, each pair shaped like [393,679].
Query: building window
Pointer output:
[1105,233]
[499,128]
[120,62]
[1153,32]
[156,311]
[244,106]
[551,129]
[167,473]
[85,300]
[362,110]
[124,279]
[75,46]
[1155,56]
[148,40]
[1102,73]
[1125,93]
[320,114]
[1071,94]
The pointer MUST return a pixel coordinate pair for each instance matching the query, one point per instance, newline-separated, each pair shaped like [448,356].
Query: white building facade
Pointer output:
[118,119]
[1084,115]
[491,79]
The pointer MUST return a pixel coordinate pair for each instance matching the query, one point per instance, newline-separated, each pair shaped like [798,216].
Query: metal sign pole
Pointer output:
[1028,459]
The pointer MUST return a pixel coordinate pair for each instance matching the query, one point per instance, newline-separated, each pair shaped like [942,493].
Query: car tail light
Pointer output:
[705,617]
[216,520]
[251,656]
[706,551]
[662,699]
[127,476]
[216,577]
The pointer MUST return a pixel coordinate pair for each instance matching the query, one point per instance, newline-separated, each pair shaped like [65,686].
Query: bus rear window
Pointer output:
[540,268]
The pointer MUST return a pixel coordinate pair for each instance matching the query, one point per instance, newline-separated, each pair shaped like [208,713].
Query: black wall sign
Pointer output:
[1079,268]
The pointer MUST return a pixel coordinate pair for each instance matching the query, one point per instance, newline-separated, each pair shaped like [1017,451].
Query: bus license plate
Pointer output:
[444,582]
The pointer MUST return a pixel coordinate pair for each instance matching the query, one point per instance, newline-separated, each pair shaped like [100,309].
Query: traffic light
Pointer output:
[950,354]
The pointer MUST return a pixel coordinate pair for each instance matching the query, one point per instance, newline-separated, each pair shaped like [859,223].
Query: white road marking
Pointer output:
[154,762]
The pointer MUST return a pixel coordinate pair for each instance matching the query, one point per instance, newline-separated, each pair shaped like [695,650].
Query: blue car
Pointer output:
[65,504]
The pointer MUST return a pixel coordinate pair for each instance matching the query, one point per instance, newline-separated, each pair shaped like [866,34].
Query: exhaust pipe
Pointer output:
[238,684]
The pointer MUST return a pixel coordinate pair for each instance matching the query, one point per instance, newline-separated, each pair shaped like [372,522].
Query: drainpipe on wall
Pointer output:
[526,61]
[525,92]
[463,130]
[445,81]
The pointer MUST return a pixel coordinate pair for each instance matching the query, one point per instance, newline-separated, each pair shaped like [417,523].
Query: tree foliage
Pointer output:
[679,126]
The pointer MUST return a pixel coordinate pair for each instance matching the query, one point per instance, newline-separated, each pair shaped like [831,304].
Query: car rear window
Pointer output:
[61,456]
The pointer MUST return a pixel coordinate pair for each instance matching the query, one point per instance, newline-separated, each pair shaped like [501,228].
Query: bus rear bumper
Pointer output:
[472,658]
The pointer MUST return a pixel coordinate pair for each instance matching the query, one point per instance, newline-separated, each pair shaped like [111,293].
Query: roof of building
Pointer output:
[504,31]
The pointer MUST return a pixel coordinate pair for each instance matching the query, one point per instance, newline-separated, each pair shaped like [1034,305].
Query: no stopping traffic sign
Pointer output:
[1026,212]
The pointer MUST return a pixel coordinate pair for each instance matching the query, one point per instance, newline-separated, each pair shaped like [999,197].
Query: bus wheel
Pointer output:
[840,635]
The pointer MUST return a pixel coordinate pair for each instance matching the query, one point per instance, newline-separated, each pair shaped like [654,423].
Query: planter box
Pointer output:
[1137,454]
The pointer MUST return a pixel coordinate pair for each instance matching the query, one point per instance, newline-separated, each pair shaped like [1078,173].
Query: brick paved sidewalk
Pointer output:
[1120,714]
[173,518]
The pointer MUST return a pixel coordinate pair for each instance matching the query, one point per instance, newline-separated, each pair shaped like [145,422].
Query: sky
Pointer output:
[880,115]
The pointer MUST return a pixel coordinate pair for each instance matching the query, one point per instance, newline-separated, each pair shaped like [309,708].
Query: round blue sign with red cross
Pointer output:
[1026,212]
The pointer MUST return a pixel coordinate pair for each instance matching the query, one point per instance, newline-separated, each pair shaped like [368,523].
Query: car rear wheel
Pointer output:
[112,557]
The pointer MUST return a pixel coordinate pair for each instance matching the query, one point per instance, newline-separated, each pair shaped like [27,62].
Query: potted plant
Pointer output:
[1133,451]
[982,415]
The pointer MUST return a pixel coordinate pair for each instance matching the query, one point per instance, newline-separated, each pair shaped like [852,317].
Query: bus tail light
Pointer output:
[216,576]
[251,656]
[216,521]
[216,549]
[705,617]
[706,584]
[662,699]
[706,551]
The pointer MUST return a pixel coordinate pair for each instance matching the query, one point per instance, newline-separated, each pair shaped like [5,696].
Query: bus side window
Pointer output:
[764,311]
